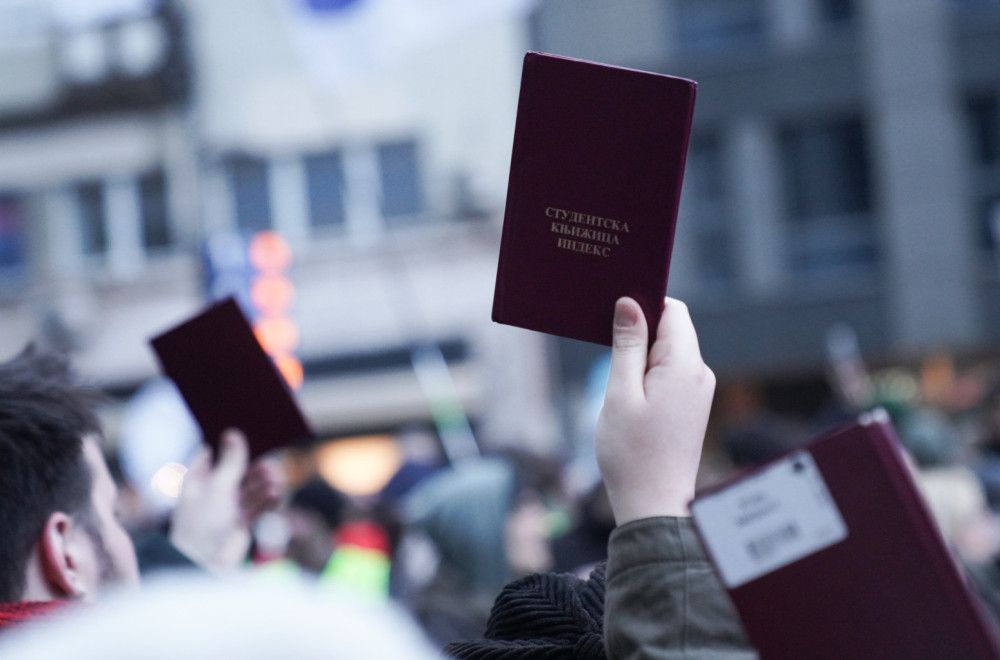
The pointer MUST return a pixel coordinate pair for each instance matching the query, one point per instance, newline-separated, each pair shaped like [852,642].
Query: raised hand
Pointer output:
[652,426]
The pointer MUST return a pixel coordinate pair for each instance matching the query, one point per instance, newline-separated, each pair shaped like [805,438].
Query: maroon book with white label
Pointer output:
[831,552]
[595,181]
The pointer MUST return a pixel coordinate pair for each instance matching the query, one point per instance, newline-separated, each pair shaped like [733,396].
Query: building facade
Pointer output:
[844,168]
[138,137]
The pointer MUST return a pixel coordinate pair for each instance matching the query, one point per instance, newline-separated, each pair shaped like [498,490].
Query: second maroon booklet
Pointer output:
[831,551]
[595,182]
[227,380]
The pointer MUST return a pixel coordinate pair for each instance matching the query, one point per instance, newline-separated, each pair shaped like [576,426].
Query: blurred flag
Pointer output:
[342,40]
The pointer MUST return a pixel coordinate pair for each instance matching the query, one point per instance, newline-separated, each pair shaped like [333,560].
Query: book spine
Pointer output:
[511,211]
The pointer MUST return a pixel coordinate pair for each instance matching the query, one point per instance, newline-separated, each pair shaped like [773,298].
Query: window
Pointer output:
[983,122]
[835,11]
[12,228]
[977,4]
[988,226]
[153,201]
[705,25]
[826,174]
[249,181]
[704,192]
[325,189]
[400,175]
[93,232]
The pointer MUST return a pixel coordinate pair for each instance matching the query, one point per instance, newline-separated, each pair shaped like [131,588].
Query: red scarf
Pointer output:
[15,613]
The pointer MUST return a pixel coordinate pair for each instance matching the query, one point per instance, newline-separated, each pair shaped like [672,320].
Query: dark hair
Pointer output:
[318,496]
[44,416]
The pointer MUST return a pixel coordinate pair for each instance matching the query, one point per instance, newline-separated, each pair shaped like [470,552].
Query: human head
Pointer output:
[314,512]
[477,513]
[60,537]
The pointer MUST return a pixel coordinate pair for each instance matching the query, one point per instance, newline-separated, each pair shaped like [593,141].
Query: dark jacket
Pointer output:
[663,599]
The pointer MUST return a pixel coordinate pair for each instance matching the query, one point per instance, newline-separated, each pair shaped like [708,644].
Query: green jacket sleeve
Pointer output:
[664,601]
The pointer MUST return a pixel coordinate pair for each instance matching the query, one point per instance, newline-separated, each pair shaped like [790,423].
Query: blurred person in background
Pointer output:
[952,489]
[485,520]
[62,540]
[313,514]
[752,433]
[584,544]
[336,540]
[412,556]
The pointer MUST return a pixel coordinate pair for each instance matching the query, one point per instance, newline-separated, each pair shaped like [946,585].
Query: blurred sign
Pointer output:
[256,271]
[272,295]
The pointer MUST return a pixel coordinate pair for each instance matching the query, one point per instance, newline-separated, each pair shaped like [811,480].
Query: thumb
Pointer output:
[234,456]
[198,469]
[628,348]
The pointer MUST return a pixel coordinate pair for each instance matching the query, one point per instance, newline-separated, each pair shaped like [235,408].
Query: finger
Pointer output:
[675,335]
[262,489]
[234,456]
[200,465]
[254,503]
[628,348]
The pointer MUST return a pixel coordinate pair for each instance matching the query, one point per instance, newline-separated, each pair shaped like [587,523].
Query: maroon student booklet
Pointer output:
[595,182]
[227,380]
[831,552]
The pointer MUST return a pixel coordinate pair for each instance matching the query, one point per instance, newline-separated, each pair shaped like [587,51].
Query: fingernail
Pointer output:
[625,316]
[229,437]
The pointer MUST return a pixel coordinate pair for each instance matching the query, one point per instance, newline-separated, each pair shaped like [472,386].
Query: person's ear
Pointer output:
[61,555]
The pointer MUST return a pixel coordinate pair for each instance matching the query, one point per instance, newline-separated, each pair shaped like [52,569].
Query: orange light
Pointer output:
[269,252]
[360,465]
[272,294]
[277,334]
[291,368]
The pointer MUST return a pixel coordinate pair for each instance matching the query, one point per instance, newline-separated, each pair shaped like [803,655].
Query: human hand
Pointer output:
[217,505]
[652,426]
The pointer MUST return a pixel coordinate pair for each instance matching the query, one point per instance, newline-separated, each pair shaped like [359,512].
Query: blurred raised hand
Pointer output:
[219,503]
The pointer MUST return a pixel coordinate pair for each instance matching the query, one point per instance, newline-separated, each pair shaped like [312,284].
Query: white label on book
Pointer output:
[768,520]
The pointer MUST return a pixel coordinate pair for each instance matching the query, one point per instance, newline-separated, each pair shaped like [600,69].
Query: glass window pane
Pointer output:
[989,224]
[248,177]
[90,200]
[826,173]
[704,193]
[837,10]
[977,4]
[155,223]
[983,121]
[720,24]
[401,188]
[827,168]
[325,183]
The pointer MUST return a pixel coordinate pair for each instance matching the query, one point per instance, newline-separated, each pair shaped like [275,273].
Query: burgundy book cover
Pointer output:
[227,380]
[595,181]
[884,586]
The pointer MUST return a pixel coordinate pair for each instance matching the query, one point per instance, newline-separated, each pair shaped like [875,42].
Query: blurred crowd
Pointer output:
[498,555]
